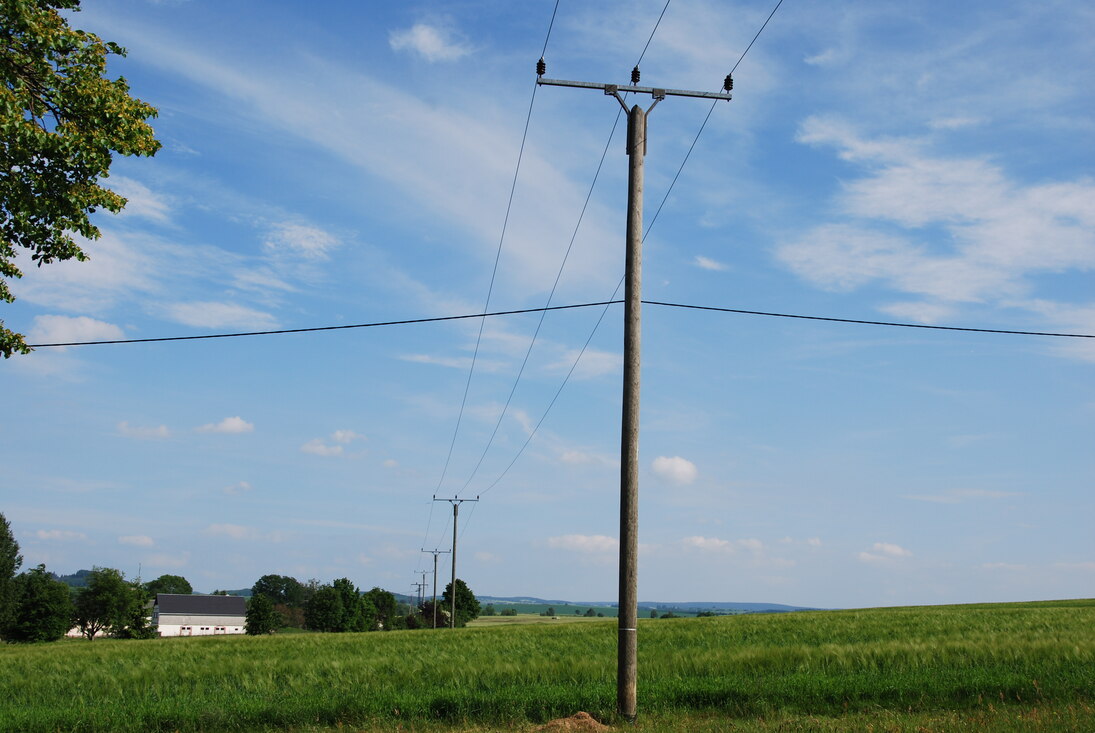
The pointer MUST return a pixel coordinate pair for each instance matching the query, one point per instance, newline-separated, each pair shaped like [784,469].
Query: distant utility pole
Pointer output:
[626,662]
[456,502]
[435,553]
[420,588]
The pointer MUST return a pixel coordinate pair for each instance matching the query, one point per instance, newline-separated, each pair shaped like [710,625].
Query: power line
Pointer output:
[894,324]
[705,120]
[497,258]
[374,324]
[562,265]
[573,306]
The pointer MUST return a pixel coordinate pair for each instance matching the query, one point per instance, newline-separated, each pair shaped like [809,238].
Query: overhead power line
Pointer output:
[573,306]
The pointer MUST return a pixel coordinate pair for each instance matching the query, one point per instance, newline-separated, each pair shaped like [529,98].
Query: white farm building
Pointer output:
[185,615]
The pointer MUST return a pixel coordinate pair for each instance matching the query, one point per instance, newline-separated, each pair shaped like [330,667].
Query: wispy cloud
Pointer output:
[143,432]
[883,552]
[586,544]
[212,314]
[62,535]
[334,445]
[709,264]
[432,41]
[137,540]
[68,329]
[957,496]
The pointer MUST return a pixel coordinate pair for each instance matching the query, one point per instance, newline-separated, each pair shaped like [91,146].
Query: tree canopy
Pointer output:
[168,584]
[281,589]
[41,609]
[467,605]
[61,121]
[10,562]
[261,616]
[105,604]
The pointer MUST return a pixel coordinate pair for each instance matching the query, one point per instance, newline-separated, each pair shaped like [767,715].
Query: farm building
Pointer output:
[185,615]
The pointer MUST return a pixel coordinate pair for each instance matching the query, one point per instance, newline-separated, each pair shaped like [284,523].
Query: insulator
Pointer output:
[728,83]
[635,76]
[541,67]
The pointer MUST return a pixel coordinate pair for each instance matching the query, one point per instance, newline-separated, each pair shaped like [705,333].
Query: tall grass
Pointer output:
[821,663]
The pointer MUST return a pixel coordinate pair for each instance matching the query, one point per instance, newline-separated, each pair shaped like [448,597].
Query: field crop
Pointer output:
[926,661]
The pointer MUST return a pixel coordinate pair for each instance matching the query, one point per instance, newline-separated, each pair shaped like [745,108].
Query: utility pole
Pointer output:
[420,588]
[456,502]
[627,647]
[435,553]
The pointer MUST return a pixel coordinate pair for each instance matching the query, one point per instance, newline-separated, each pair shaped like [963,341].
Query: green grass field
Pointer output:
[1027,665]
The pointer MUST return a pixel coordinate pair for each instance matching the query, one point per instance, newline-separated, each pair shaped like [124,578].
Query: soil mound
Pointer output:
[576,722]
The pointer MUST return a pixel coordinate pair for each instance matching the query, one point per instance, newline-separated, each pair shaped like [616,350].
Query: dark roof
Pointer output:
[201,605]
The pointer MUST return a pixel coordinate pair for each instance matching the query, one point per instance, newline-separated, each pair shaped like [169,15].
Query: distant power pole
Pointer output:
[626,663]
[420,588]
[456,502]
[435,553]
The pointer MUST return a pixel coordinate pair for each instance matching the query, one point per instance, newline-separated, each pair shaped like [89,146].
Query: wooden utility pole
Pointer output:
[435,553]
[627,645]
[456,502]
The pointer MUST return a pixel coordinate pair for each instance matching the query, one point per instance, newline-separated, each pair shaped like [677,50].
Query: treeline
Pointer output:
[283,602]
[37,605]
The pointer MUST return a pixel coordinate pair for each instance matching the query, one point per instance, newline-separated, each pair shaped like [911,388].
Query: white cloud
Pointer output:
[455,362]
[137,540]
[676,470]
[338,439]
[593,363]
[299,239]
[143,433]
[141,201]
[210,314]
[230,425]
[709,264]
[710,544]
[954,123]
[165,560]
[431,42]
[67,329]
[884,552]
[998,232]
[390,463]
[588,544]
[715,544]
[814,542]
[62,535]
[346,436]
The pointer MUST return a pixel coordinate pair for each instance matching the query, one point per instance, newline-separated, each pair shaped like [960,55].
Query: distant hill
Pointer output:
[531,604]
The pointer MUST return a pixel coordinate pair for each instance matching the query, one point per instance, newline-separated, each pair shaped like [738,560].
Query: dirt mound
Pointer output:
[578,722]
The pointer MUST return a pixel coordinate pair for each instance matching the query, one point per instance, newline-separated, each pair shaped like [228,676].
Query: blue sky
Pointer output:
[347,162]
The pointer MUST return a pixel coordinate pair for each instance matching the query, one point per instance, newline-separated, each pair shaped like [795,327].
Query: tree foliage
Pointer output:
[261,616]
[105,604]
[281,589]
[467,605]
[168,584]
[386,608]
[61,121]
[10,562]
[41,610]
[324,610]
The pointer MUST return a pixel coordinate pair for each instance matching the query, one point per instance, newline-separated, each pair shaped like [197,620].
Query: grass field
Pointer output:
[1009,666]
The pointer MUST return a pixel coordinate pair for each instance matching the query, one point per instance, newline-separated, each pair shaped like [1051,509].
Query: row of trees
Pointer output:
[37,606]
[281,601]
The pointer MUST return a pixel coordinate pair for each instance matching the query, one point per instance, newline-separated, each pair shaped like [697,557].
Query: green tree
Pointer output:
[42,608]
[168,584]
[324,610]
[386,609]
[467,605]
[653,613]
[360,614]
[281,589]
[488,610]
[105,604]
[139,623]
[61,121]
[10,562]
[261,616]
[590,613]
